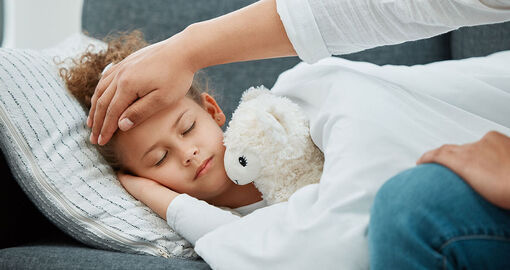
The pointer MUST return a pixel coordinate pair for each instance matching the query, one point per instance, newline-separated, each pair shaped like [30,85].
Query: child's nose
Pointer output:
[191,155]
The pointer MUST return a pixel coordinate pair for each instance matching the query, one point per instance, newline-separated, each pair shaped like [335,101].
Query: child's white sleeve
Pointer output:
[192,218]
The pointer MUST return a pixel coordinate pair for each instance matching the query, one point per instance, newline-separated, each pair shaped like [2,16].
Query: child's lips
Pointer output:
[204,168]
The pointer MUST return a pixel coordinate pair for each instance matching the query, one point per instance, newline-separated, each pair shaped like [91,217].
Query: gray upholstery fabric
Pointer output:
[65,256]
[480,40]
[159,19]
[408,53]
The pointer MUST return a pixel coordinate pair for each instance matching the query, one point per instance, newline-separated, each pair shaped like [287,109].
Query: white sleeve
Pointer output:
[321,28]
[192,218]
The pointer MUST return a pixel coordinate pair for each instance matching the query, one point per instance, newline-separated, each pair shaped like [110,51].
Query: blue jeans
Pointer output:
[427,217]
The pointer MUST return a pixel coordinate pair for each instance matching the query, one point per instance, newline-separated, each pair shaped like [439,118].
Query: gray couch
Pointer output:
[30,241]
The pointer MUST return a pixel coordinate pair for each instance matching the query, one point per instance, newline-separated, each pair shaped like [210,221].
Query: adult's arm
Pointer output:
[320,28]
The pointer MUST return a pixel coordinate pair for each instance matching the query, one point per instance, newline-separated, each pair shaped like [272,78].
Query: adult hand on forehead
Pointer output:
[158,75]
[139,86]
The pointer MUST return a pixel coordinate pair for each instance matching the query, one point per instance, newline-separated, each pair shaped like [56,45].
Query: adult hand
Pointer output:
[158,75]
[142,84]
[484,165]
[156,196]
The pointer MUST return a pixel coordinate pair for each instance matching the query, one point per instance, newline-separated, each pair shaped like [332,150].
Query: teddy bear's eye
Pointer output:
[242,161]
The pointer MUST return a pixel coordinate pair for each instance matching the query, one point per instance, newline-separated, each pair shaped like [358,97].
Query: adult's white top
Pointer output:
[321,28]
[371,123]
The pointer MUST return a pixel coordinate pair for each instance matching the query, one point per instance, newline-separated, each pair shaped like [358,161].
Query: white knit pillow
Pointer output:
[45,140]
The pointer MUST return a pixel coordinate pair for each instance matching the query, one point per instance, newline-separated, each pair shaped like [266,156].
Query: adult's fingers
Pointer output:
[118,105]
[444,155]
[144,108]
[110,70]
[102,85]
[102,105]
[126,87]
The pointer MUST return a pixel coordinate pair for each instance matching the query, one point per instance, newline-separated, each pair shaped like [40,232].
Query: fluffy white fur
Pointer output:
[268,142]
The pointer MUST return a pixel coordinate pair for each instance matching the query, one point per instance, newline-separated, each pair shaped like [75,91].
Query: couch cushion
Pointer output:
[408,53]
[68,256]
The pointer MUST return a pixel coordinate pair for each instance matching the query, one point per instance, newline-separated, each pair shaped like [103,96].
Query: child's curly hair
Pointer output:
[83,76]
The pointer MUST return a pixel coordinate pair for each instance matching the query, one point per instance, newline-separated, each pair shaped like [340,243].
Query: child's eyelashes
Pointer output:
[189,129]
[162,159]
[166,152]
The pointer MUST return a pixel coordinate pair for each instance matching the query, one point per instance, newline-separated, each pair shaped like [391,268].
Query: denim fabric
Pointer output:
[428,218]
[63,256]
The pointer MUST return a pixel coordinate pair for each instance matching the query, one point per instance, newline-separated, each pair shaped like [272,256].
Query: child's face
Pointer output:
[170,147]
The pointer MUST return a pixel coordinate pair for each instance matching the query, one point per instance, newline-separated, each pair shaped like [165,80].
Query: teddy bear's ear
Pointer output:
[272,125]
[254,92]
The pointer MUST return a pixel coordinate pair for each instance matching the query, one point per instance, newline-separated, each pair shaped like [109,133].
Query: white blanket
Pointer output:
[371,123]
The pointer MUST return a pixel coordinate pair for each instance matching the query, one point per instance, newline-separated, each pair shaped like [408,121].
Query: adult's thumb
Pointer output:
[141,110]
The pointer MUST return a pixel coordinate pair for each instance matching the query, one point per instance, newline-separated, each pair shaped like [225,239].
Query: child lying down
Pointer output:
[176,153]
[370,122]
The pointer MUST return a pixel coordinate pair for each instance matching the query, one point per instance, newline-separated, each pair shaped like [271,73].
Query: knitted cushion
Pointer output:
[45,140]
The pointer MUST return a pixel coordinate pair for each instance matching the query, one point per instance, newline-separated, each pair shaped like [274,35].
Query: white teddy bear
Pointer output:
[268,142]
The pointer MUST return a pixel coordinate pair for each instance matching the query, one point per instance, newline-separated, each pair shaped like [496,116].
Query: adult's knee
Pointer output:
[418,191]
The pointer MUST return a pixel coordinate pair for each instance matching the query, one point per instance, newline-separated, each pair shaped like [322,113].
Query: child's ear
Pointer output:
[212,108]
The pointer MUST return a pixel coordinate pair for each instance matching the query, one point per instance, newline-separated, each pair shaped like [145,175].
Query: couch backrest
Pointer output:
[159,19]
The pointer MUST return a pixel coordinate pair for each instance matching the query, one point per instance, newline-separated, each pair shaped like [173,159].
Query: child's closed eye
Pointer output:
[166,152]
[189,129]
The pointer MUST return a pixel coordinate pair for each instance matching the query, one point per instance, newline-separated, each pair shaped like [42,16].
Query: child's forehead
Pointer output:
[180,106]
[181,103]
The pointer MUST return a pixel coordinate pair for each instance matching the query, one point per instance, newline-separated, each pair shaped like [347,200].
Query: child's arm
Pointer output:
[156,196]
[189,217]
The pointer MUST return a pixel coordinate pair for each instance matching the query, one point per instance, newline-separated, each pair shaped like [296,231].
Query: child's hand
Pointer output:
[156,196]
[135,185]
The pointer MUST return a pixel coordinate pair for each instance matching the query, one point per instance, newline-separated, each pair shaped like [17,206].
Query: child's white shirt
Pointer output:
[192,218]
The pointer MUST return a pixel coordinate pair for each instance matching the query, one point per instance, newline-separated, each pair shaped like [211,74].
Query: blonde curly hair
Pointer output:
[83,75]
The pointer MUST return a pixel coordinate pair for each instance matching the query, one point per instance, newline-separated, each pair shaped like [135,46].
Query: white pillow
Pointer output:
[45,139]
